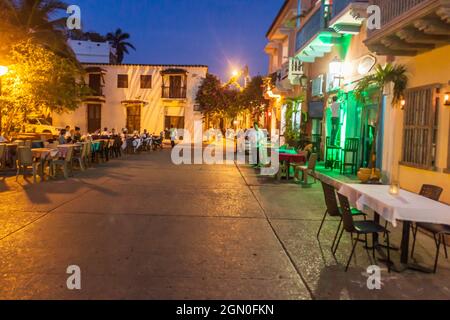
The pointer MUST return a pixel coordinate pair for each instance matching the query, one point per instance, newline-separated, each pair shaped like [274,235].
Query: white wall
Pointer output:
[91,52]
[153,114]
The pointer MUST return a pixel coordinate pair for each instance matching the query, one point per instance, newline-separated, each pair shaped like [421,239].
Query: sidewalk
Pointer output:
[295,212]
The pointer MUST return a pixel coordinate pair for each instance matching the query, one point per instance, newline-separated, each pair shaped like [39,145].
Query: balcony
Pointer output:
[289,75]
[174,92]
[315,39]
[410,27]
[309,30]
[347,16]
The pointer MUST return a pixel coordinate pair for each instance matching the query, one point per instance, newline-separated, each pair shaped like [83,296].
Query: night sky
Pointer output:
[219,33]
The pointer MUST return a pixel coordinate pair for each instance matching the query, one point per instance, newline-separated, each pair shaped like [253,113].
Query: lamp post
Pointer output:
[3,71]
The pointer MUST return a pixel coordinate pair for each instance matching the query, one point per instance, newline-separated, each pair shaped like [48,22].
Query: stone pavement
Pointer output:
[142,228]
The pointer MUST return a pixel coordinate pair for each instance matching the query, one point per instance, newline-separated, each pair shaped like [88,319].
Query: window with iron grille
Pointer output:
[146,81]
[122,81]
[420,127]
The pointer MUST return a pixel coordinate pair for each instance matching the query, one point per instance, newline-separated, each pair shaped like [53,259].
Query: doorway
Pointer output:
[134,118]
[94,115]
[176,122]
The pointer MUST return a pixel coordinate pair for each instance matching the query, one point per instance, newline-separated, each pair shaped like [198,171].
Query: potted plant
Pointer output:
[383,76]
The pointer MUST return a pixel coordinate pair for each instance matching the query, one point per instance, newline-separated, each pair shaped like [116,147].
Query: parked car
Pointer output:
[41,125]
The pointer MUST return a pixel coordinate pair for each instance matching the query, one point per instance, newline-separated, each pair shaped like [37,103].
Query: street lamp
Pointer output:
[3,70]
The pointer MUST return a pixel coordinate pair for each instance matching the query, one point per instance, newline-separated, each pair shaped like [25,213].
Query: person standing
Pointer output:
[335,113]
[173,136]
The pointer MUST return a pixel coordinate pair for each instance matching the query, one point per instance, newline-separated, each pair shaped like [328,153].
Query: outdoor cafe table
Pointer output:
[43,154]
[406,207]
[289,157]
[64,148]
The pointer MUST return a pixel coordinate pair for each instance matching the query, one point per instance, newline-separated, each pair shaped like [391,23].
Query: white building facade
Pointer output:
[138,97]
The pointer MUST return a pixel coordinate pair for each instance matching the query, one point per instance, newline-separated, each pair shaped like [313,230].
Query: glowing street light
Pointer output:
[235,73]
[3,70]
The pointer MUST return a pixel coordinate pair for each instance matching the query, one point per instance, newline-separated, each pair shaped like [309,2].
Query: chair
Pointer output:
[333,210]
[439,231]
[316,140]
[2,156]
[360,228]
[25,160]
[310,169]
[351,147]
[65,164]
[331,155]
[80,158]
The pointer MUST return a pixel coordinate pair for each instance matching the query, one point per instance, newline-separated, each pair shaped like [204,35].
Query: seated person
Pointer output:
[77,135]
[62,135]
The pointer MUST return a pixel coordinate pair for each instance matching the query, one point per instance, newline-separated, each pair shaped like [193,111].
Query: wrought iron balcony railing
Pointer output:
[340,5]
[174,92]
[390,9]
[309,29]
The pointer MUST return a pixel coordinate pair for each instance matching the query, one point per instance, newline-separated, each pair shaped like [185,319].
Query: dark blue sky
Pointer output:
[218,33]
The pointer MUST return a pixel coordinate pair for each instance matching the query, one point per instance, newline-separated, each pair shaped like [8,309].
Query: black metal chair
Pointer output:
[316,140]
[360,228]
[351,147]
[331,155]
[439,231]
[333,210]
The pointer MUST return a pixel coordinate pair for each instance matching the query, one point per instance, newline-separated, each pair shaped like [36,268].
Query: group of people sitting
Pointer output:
[135,140]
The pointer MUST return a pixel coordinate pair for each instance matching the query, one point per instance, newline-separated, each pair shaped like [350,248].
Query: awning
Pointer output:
[95,70]
[134,102]
[174,71]
[94,99]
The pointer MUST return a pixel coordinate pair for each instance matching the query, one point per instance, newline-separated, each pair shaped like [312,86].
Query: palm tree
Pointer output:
[118,40]
[395,74]
[24,20]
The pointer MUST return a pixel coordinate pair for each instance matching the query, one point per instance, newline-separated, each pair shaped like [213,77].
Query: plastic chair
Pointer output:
[25,160]
[80,158]
[65,164]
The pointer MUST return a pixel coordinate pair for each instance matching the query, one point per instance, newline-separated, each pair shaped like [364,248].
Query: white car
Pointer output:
[41,125]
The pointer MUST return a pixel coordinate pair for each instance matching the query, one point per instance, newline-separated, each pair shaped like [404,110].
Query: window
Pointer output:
[134,118]
[146,82]
[420,127]
[94,113]
[95,83]
[122,81]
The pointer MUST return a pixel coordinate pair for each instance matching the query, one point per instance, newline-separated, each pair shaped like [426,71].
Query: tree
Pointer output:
[118,40]
[252,98]
[210,95]
[39,82]
[23,20]
[395,74]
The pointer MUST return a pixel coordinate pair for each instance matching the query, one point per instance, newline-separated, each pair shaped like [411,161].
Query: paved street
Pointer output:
[142,228]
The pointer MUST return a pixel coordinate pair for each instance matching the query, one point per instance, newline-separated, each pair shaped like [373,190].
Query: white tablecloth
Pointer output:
[406,206]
